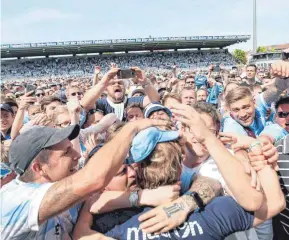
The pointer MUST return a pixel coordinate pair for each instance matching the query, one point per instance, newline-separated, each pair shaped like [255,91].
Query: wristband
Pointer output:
[196,198]
[254,144]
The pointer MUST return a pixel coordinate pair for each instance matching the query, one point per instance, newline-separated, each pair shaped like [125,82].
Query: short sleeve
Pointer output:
[230,125]
[275,131]
[100,104]
[262,106]
[136,100]
[35,205]
[226,217]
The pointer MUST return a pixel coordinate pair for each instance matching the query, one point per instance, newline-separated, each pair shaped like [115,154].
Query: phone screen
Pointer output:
[30,88]
[125,74]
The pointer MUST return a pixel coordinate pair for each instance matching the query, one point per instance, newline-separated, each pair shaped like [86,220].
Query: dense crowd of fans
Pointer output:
[83,66]
[134,153]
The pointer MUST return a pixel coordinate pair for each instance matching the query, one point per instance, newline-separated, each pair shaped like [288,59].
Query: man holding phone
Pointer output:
[116,101]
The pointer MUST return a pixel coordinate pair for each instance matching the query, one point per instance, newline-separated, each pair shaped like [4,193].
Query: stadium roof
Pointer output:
[118,45]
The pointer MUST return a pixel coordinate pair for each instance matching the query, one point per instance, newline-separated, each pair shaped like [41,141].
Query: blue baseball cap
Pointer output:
[145,142]
[153,107]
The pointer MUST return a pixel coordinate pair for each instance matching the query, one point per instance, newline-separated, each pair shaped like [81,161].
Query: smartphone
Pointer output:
[126,73]
[30,88]
[216,68]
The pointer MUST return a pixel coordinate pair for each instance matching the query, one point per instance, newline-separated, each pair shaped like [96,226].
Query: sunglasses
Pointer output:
[283,114]
[40,94]
[76,93]
[190,82]
[93,111]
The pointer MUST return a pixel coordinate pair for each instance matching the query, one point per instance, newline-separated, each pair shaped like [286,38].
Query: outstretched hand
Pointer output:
[192,119]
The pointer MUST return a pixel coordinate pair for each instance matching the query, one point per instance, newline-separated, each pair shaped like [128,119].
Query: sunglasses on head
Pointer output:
[76,93]
[283,114]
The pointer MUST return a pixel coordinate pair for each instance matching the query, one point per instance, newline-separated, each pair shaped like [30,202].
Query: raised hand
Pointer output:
[97,69]
[90,142]
[142,124]
[26,101]
[192,119]
[74,106]
[110,75]
[140,76]
[280,69]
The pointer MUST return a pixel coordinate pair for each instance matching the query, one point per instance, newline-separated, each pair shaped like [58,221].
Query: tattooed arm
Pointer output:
[171,215]
[95,175]
[281,71]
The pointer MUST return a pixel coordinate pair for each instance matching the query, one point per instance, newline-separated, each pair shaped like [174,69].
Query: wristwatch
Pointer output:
[134,198]
[197,199]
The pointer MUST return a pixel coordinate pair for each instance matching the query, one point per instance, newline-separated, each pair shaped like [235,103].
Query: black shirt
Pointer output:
[281,221]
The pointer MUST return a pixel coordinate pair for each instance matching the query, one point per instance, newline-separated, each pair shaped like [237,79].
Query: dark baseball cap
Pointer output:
[7,107]
[28,145]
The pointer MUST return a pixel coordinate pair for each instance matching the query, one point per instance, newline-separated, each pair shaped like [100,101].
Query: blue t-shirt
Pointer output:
[219,219]
[103,104]
[275,131]
[257,126]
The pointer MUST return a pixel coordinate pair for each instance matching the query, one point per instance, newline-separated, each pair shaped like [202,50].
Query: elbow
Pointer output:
[277,207]
[253,204]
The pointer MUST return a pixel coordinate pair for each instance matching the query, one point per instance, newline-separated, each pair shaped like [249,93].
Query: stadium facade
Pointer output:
[118,45]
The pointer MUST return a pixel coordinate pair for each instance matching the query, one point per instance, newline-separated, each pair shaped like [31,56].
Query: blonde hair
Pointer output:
[237,94]
[162,167]
[4,153]
[113,130]
[175,96]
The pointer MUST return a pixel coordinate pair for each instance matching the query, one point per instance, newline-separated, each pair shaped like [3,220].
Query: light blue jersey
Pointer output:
[19,213]
[257,126]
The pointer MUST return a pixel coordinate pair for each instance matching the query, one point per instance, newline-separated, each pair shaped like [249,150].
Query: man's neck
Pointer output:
[114,100]
[251,81]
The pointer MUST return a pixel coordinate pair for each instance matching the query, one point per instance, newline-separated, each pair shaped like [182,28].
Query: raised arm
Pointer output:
[74,113]
[95,76]
[150,90]
[19,117]
[95,175]
[90,97]
[274,201]
[281,71]
[232,170]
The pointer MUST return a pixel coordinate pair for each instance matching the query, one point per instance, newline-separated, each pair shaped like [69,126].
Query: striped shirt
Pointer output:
[281,221]
[20,204]
[103,104]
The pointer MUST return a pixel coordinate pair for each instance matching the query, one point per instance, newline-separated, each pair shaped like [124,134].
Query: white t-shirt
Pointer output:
[20,204]
[209,168]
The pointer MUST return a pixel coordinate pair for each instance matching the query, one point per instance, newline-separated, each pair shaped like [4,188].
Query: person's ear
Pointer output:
[38,168]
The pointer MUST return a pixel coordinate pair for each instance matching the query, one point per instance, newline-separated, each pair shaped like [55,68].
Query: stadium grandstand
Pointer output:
[42,60]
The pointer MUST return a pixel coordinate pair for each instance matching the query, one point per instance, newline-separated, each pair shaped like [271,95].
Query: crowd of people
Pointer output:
[134,154]
[83,66]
